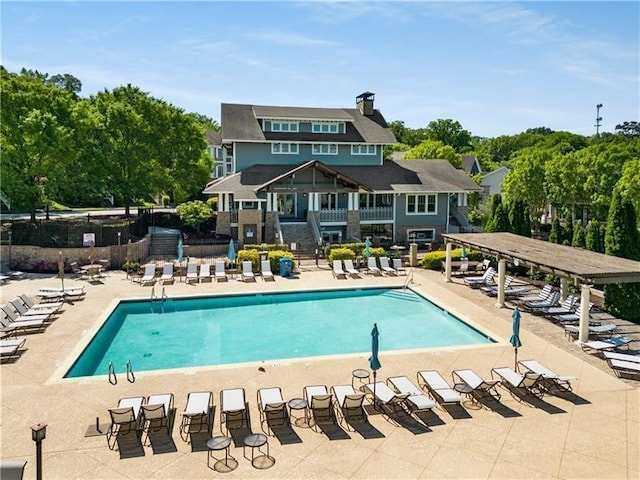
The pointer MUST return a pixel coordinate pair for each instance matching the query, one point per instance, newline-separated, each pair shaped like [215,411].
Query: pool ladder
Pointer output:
[408,280]
[154,297]
[113,379]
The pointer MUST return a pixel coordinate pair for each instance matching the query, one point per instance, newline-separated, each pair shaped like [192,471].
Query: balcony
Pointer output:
[333,215]
[376,214]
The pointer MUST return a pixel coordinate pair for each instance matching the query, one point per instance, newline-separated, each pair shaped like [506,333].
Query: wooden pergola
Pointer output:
[584,267]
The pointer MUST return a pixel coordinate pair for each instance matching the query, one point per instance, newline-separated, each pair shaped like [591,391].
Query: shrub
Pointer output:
[249,255]
[267,247]
[433,260]
[340,254]
[274,257]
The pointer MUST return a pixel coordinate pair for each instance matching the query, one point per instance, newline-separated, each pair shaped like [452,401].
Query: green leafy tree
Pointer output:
[593,240]
[434,150]
[557,234]
[628,129]
[578,236]
[450,132]
[194,213]
[519,218]
[567,234]
[629,183]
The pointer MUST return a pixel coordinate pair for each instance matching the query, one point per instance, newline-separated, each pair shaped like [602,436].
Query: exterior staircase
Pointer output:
[164,244]
[302,235]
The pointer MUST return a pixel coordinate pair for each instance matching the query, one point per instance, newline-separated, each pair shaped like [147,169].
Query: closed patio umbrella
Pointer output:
[374,362]
[367,246]
[515,338]
[231,252]
[180,250]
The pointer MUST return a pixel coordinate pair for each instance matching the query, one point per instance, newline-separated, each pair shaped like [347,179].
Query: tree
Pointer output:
[578,236]
[432,150]
[629,183]
[519,218]
[556,234]
[450,132]
[628,129]
[593,240]
[194,213]
[567,236]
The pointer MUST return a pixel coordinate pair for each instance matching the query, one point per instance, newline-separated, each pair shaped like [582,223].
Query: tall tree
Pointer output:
[434,150]
[451,133]
[578,236]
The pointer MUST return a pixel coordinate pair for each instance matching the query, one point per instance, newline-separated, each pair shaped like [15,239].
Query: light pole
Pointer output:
[598,119]
[38,434]
[10,235]
[119,251]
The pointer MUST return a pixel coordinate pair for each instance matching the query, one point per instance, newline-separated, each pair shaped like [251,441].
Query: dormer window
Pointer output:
[284,126]
[326,127]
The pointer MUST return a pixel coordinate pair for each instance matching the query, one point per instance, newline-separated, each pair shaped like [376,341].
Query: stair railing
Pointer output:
[312,220]
[278,231]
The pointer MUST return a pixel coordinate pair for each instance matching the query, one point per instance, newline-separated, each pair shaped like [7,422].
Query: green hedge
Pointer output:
[274,256]
[267,247]
[341,254]
[433,260]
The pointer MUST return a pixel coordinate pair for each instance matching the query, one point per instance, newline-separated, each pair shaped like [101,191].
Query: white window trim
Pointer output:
[426,203]
[319,151]
[279,123]
[279,152]
[356,149]
[318,125]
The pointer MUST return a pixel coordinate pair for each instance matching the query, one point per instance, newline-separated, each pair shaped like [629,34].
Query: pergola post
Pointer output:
[585,297]
[564,290]
[447,264]
[502,269]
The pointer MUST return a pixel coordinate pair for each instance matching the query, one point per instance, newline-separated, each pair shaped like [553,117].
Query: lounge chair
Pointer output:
[598,346]
[397,265]
[372,267]
[220,273]
[167,273]
[33,305]
[265,270]
[247,271]
[417,401]
[493,289]
[550,379]
[16,318]
[148,276]
[386,268]
[572,317]
[566,306]
[622,367]
[626,357]
[485,279]
[12,469]
[552,301]
[598,331]
[233,408]
[272,408]
[320,405]
[541,296]
[25,326]
[438,388]
[389,401]
[350,269]
[53,293]
[349,405]
[529,383]
[196,417]
[23,311]
[125,418]
[337,270]
[474,385]
[204,275]
[192,272]
[156,413]
[10,348]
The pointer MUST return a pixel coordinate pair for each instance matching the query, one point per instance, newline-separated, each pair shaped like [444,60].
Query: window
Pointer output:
[326,127]
[328,201]
[284,126]
[421,204]
[325,149]
[284,148]
[363,149]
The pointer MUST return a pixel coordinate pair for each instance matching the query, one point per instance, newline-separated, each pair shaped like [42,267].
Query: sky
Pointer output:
[498,68]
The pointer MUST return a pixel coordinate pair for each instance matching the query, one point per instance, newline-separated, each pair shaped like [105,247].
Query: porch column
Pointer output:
[564,287]
[269,202]
[585,296]
[220,204]
[313,201]
[447,264]
[227,207]
[502,268]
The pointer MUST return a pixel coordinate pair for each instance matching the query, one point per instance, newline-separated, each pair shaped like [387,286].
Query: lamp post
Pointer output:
[38,434]
[10,235]
[119,251]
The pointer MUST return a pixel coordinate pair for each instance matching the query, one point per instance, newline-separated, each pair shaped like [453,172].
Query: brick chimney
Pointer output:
[364,102]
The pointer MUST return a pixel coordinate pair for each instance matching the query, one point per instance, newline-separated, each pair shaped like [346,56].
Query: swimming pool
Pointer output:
[200,331]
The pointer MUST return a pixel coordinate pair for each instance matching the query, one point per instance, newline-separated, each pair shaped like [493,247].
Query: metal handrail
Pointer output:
[112,374]
[315,228]
[278,231]
[408,280]
[130,376]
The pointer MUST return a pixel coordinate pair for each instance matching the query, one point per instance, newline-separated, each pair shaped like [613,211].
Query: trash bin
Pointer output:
[285,267]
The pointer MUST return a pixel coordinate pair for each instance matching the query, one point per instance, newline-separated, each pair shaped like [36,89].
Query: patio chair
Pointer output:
[320,405]
[233,408]
[566,306]
[220,273]
[598,331]
[552,301]
[372,267]
[204,274]
[397,265]
[265,271]
[350,269]
[438,388]
[417,401]
[388,400]
[529,383]
[26,326]
[247,271]
[16,318]
[385,267]
[34,306]
[148,276]
[485,279]
[550,379]
[156,413]
[493,289]
[10,348]
[23,311]
[12,469]
[622,367]
[626,357]
[337,270]
[541,296]
[167,273]
[196,417]
[573,317]
[272,408]
[475,386]
[613,343]
[349,405]
[55,293]
[192,272]
[125,418]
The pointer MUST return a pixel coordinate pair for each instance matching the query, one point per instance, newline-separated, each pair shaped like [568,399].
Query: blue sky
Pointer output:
[498,68]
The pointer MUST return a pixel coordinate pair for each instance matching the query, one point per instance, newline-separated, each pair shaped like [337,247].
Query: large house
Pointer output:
[318,175]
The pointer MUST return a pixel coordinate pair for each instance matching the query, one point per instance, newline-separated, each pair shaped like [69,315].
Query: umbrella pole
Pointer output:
[515,363]
[375,405]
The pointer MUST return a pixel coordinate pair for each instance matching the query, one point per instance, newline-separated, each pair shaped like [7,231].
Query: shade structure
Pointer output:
[180,250]
[367,247]
[515,338]
[374,361]
[231,252]
[61,269]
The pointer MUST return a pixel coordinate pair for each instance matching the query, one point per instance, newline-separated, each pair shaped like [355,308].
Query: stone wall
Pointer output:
[223,223]
[250,217]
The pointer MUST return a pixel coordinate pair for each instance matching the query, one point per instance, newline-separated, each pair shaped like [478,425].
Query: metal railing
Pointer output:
[377,213]
[278,230]
[315,228]
[333,215]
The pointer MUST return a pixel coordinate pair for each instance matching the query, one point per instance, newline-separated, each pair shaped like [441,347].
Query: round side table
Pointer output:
[258,440]
[360,374]
[216,444]
[299,404]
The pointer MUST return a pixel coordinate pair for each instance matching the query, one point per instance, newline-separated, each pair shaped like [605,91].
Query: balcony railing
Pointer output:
[378,213]
[333,215]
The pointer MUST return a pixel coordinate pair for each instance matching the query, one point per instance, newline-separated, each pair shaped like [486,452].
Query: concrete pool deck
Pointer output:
[594,434]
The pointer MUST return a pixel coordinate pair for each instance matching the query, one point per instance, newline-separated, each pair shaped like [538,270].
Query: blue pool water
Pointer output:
[221,330]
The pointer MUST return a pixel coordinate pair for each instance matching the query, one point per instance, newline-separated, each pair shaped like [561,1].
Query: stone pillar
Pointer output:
[223,223]
[353,225]
[269,227]
[447,263]
[502,269]
[585,297]
[563,287]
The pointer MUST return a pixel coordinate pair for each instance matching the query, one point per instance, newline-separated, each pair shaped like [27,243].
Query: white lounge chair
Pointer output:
[233,408]
[204,275]
[550,379]
[220,273]
[493,289]
[265,270]
[167,273]
[9,327]
[385,267]
[438,388]
[416,401]
[372,267]
[621,367]
[397,265]
[148,276]
[24,311]
[156,413]
[350,269]
[125,418]
[573,317]
[474,385]
[272,408]
[597,330]
[34,306]
[566,306]
[196,417]
[192,272]
[485,279]
[541,296]
[529,383]
[337,270]
[10,348]
[626,357]
[247,271]
[350,405]
[598,346]
[552,301]
[17,318]
[389,400]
